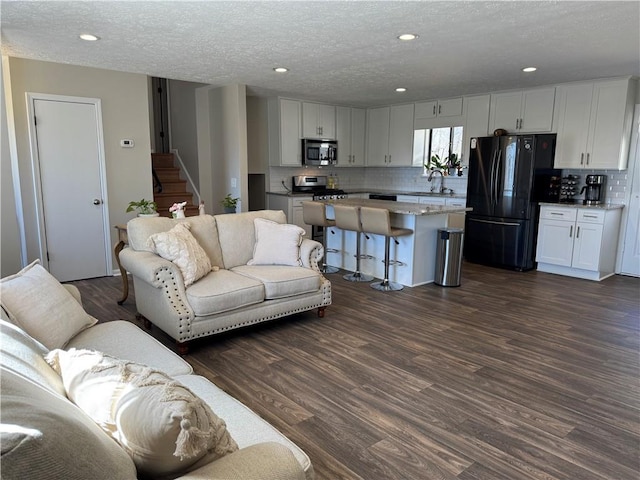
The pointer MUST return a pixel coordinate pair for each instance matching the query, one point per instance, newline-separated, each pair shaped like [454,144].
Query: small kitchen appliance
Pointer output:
[319,152]
[594,189]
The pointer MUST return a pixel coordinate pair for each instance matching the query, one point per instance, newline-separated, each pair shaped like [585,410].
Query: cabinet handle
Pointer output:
[589,216]
[434,109]
[588,154]
[582,159]
[556,213]
[389,158]
[578,232]
[571,231]
[439,109]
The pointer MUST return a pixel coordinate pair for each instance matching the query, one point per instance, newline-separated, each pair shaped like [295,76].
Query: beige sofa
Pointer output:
[235,295]
[44,435]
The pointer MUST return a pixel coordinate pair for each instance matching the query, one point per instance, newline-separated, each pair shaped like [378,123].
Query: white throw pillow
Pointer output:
[276,243]
[179,246]
[160,423]
[41,306]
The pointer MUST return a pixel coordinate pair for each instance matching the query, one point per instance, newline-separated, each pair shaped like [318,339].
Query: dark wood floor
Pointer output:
[510,376]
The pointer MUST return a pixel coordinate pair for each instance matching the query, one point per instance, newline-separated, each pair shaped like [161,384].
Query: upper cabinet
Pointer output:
[594,124]
[318,121]
[438,113]
[523,111]
[285,128]
[390,136]
[476,121]
[350,134]
[451,107]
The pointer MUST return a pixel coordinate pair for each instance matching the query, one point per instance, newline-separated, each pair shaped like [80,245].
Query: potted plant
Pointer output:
[454,164]
[229,203]
[145,208]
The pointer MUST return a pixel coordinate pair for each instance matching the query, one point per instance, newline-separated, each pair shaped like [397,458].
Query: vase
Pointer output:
[180,214]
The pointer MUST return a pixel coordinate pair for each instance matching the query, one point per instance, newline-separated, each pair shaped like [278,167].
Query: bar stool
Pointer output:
[314,213]
[377,221]
[348,218]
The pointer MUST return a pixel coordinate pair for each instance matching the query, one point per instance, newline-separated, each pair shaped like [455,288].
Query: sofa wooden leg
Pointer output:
[321,311]
[182,347]
[145,322]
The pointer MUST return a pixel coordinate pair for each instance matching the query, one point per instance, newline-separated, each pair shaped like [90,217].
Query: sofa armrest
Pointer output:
[146,265]
[311,253]
[263,461]
[73,290]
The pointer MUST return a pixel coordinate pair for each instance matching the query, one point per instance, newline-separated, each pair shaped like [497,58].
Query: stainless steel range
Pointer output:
[316,186]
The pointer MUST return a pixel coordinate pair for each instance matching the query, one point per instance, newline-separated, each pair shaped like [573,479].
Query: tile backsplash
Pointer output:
[410,179]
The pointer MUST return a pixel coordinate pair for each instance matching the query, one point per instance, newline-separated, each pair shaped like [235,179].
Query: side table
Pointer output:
[122,241]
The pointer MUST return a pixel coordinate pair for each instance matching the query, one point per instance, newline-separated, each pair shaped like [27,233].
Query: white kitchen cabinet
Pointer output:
[450,107]
[285,129]
[350,134]
[292,207]
[432,200]
[594,125]
[476,122]
[523,111]
[390,136]
[409,198]
[318,121]
[578,242]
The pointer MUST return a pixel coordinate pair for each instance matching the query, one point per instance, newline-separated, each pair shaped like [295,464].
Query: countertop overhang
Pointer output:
[403,208]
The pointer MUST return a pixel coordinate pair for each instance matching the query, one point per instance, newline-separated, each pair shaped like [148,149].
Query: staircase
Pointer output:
[174,189]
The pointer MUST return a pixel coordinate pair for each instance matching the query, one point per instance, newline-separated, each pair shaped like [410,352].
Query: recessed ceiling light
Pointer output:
[88,37]
[529,69]
[401,89]
[407,36]
[281,69]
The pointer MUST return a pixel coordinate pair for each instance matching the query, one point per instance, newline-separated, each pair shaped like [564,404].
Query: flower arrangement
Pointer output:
[177,209]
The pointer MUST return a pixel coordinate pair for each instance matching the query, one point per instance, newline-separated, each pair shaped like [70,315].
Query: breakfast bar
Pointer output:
[414,255]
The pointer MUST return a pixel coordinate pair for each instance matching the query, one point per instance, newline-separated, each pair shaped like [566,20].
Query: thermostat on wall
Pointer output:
[126,143]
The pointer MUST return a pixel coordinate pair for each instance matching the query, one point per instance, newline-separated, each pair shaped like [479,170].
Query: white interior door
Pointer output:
[70,161]
[630,264]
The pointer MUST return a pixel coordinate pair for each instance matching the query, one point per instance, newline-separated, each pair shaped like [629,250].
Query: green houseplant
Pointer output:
[144,208]
[229,203]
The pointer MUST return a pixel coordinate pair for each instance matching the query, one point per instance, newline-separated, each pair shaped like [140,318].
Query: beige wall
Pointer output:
[222,144]
[10,250]
[125,114]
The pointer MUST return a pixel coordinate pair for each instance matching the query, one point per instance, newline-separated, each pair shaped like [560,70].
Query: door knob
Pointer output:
[97,201]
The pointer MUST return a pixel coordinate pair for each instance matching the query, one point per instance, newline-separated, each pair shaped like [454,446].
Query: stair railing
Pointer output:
[190,183]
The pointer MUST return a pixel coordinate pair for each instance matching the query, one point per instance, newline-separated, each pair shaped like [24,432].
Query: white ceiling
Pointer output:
[343,52]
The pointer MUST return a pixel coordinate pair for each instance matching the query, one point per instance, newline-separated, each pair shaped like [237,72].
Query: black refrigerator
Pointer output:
[508,177]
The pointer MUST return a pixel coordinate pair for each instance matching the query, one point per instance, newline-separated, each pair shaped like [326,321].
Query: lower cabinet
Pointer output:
[578,242]
[292,207]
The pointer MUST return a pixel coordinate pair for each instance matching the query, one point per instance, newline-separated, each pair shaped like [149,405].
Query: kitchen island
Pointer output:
[415,254]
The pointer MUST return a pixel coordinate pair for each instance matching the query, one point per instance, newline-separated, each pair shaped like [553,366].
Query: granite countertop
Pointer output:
[404,208]
[603,206]
[354,191]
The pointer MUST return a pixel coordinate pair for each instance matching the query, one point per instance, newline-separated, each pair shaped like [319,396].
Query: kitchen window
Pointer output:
[444,142]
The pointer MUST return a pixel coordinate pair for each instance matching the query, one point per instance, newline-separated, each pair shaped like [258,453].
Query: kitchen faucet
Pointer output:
[430,177]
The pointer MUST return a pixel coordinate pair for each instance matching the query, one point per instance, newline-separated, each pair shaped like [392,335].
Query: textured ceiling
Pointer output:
[343,52]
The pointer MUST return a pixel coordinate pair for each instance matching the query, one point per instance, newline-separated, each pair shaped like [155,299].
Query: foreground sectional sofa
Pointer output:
[208,274]
[87,400]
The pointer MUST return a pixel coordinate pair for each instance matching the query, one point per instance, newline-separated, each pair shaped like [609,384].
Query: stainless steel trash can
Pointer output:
[449,257]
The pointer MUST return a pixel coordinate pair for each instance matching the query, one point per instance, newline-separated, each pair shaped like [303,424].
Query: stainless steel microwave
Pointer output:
[319,152]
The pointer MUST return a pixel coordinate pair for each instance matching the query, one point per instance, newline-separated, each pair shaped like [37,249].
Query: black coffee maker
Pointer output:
[594,189]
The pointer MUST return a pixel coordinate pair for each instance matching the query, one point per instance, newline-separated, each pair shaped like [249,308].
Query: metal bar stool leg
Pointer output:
[327,268]
[358,276]
[385,285]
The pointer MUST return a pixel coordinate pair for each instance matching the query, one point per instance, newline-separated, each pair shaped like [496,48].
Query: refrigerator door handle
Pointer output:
[509,224]
[497,184]
[491,175]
